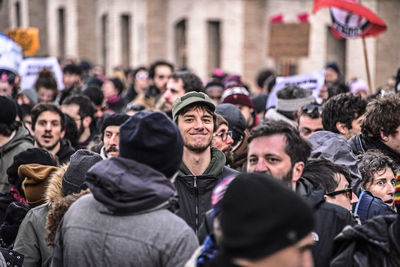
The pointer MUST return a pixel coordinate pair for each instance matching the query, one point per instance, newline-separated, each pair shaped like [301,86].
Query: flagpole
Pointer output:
[367,66]
[366,63]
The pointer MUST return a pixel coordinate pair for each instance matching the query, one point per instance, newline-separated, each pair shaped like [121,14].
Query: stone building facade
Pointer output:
[200,34]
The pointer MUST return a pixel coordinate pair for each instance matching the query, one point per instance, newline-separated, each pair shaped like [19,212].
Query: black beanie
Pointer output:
[152,139]
[235,118]
[113,120]
[8,110]
[74,177]
[260,215]
[31,155]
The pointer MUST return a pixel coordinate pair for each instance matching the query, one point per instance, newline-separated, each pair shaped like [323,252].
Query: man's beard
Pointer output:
[80,129]
[112,148]
[287,178]
[48,148]
[197,148]
[229,155]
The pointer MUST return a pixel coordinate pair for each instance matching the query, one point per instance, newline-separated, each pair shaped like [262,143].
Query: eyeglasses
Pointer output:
[311,108]
[224,135]
[347,191]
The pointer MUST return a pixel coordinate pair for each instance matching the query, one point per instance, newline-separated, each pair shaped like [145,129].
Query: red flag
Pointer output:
[276,19]
[303,17]
[351,19]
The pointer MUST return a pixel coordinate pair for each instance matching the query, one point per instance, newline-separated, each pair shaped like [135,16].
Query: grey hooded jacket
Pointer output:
[125,222]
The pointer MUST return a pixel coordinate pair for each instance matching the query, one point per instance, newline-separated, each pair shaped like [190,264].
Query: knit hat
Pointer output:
[80,162]
[191,98]
[260,216]
[115,119]
[358,86]
[237,94]
[334,66]
[152,139]
[235,118]
[36,178]
[31,94]
[8,110]
[397,192]
[31,155]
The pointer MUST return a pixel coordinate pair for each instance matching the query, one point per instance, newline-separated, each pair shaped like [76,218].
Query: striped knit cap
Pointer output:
[397,192]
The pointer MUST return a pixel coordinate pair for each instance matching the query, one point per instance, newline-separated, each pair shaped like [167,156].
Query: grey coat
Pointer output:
[124,222]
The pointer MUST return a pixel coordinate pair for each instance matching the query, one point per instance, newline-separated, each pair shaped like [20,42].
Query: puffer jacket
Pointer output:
[31,236]
[125,221]
[369,206]
[195,191]
[21,141]
[375,243]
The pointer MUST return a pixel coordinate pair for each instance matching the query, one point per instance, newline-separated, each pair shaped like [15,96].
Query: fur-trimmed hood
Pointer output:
[54,188]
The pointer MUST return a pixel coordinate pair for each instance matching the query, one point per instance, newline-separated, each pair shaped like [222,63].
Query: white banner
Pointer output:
[30,68]
[10,54]
[310,81]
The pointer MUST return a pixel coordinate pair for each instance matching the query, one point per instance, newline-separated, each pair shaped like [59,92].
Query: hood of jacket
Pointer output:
[215,167]
[311,191]
[127,186]
[334,147]
[54,188]
[274,115]
[21,136]
[379,231]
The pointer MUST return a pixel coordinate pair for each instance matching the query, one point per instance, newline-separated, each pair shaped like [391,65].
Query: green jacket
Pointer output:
[21,141]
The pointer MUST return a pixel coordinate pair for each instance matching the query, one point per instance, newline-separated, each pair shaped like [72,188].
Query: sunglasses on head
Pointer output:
[311,108]
[347,191]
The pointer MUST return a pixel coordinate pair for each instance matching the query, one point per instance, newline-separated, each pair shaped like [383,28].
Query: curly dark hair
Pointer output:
[152,69]
[382,114]
[297,148]
[342,108]
[191,82]
[372,162]
[315,167]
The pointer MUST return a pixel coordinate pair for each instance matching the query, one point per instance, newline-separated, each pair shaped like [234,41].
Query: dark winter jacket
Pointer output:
[369,206]
[360,144]
[330,220]
[195,191]
[65,152]
[125,222]
[375,243]
[21,141]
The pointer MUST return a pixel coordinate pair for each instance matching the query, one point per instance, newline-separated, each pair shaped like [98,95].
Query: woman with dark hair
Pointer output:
[46,86]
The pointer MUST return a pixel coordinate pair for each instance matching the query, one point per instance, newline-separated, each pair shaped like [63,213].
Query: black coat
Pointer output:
[375,243]
[330,220]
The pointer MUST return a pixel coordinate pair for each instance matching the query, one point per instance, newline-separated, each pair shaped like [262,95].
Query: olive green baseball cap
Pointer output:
[191,98]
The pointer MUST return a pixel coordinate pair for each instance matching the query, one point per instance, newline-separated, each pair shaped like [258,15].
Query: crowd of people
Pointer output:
[156,167]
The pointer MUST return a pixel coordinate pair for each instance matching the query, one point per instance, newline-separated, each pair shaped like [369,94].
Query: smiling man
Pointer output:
[48,125]
[203,166]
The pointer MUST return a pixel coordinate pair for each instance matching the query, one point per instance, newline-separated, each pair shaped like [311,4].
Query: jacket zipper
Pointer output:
[197,204]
